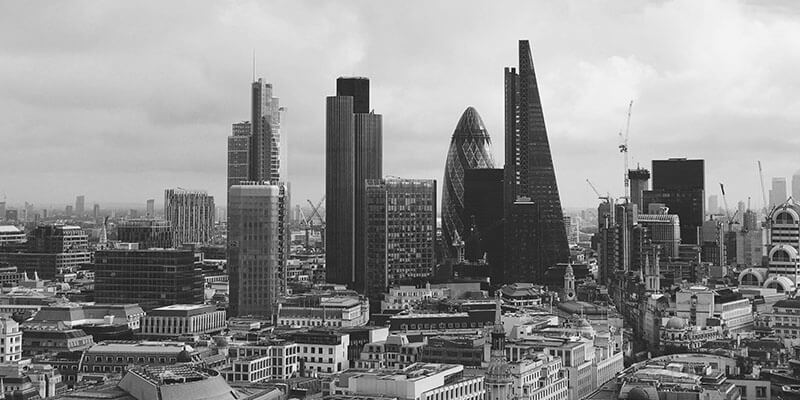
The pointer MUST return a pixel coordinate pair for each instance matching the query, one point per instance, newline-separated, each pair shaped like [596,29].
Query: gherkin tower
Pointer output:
[470,147]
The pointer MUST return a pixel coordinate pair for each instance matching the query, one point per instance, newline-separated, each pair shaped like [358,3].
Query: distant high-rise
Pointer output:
[95,212]
[640,181]
[191,215]
[353,154]
[257,247]
[68,211]
[401,228]
[796,186]
[679,184]
[535,235]
[713,204]
[470,147]
[79,205]
[2,210]
[778,193]
[151,208]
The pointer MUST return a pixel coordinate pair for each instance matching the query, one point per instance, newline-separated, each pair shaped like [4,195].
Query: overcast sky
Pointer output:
[119,100]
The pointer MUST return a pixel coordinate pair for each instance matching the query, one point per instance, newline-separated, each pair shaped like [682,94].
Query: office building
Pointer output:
[10,340]
[679,184]
[401,227]
[470,148]
[713,204]
[2,211]
[778,193]
[353,154]
[68,212]
[178,320]
[538,240]
[95,213]
[483,211]
[190,214]
[80,202]
[419,381]
[257,247]
[313,310]
[150,209]
[147,232]
[239,153]
[782,243]
[664,230]
[11,235]
[50,250]
[639,182]
[262,360]
[151,278]
[117,356]
[265,120]
[796,186]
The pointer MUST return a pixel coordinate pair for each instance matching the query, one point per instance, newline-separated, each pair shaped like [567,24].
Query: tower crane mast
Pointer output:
[623,148]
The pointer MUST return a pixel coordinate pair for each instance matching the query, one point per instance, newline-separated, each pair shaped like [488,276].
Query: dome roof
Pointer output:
[471,124]
[638,393]
[676,323]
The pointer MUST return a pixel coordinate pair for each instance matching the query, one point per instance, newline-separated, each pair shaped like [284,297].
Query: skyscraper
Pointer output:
[796,186]
[353,154]
[640,181]
[257,244]
[535,235]
[191,215]
[79,205]
[483,207]
[679,184]
[95,212]
[713,204]
[470,147]
[266,133]
[778,193]
[239,153]
[151,208]
[401,228]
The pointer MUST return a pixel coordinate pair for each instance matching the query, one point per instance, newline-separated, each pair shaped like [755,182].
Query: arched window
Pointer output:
[784,217]
[780,256]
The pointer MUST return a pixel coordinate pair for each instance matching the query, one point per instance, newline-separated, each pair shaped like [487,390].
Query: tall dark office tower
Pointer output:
[679,184]
[353,154]
[151,208]
[483,207]
[80,202]
[358,89]
[266,134]
[535,235]
[400,217]
[470,147]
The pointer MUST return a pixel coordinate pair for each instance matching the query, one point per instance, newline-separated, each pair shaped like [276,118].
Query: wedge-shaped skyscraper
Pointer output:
[535,235]
[470,148]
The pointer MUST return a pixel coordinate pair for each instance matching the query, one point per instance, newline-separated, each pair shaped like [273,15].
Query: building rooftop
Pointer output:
[413,372]
[9,229]
[139,347]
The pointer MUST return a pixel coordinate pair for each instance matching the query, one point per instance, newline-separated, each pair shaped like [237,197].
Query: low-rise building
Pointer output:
[785,318]
[263,360]
[724,307]
[677,335]
[182,320]
[322,310]
[466,350]
[115,356]
[408,297]
[396,352]
[53,338]
[419,381]
[322,351]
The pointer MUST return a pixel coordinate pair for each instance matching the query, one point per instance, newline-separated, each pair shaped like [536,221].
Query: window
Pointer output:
[761,391]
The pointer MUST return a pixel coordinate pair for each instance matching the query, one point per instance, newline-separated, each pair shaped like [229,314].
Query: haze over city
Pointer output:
[120,100]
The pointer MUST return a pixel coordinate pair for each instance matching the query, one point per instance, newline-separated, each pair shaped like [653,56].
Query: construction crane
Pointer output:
[623,148]
[763,191]
[593,188]
[725,202]
[315,210]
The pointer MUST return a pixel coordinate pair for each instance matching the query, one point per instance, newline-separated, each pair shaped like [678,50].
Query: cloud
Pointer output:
[119,101]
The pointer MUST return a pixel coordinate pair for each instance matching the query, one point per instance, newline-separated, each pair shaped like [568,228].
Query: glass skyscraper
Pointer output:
[470,148]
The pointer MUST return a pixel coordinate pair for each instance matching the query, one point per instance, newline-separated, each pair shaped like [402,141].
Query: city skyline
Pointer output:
[132,130]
